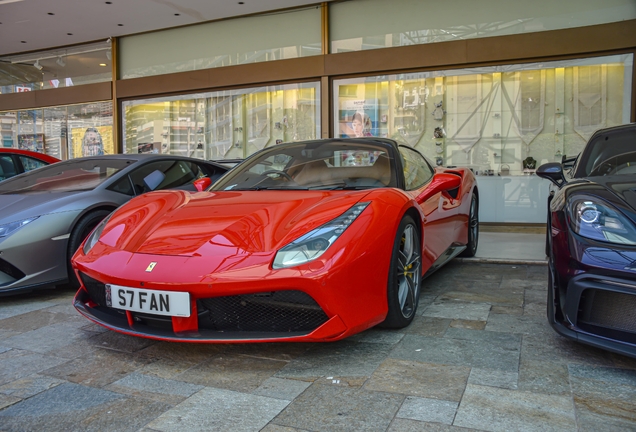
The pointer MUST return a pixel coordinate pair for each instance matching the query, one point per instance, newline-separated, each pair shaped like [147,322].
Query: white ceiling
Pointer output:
[30,25]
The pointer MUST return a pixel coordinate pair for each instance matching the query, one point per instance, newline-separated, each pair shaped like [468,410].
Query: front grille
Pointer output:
[277,311]
[11,270]
[608,309]
[96,290]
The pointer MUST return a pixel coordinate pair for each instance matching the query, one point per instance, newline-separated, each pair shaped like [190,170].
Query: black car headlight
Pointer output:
[598,220]
[313,244]
[93,237]
[8,229]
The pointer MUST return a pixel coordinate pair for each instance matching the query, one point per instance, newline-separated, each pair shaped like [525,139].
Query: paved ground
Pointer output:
[480,356]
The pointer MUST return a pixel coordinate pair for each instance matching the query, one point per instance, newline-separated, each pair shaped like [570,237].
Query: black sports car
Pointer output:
[592,243]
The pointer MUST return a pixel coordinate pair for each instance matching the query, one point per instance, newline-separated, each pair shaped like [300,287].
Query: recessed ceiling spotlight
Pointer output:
[51,13]
[69,34]
[22,41]
[37,65]
[177,14]
[60,61]
[108,2]
[120,25]
[102,64]
[241,2]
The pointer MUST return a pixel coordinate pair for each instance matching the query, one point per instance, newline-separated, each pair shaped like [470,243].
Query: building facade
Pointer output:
[501,87]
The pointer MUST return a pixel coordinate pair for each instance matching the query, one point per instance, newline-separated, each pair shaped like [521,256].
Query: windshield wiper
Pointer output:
[340,186]
[259,188]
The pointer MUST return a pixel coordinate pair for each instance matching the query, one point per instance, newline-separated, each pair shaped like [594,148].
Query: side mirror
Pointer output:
[202,184]
[441,182]
[552,171]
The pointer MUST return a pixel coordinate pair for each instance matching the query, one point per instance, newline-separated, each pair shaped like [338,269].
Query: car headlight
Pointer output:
[10,228]
[313,244]
[600,221]
[95,235]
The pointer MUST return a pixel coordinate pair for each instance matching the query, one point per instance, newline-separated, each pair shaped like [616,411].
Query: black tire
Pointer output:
[81,230]
[405,276]
[473,229]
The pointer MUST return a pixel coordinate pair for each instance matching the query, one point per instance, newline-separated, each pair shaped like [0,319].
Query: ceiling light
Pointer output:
[37,65]
[60,61]
[102,64]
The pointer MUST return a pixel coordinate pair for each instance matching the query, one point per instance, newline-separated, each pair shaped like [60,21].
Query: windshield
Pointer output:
[613,153]
[314,165]
[69,176]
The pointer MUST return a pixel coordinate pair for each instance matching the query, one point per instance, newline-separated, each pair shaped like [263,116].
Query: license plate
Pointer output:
[169,303]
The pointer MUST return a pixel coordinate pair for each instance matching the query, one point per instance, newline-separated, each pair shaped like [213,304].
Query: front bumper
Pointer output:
[318,302]
[265,317]
[36,255]
[597,310]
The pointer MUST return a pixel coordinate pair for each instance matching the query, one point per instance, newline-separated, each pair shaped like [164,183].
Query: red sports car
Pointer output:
[14,161]
[304,241]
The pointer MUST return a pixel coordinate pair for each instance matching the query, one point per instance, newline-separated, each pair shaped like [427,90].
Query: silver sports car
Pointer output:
[45,214]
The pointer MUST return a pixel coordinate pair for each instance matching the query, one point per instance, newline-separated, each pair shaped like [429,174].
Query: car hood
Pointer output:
[221,223]
[20,206]
[619,187]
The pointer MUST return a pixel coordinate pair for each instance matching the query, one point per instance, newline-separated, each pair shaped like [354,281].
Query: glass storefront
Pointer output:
[64,67]
[63,132]
[501,121]
[222,124]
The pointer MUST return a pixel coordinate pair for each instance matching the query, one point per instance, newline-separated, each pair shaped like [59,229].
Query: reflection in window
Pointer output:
[64,132]
[496,120]
[57,68]
[223,124]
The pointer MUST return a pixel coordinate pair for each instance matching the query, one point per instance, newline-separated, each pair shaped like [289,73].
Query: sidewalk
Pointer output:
[479,355]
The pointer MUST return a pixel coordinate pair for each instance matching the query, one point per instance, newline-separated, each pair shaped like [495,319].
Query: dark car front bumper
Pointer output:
[597,310]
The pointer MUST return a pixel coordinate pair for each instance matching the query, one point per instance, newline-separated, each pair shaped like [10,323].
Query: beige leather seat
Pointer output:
[317,172]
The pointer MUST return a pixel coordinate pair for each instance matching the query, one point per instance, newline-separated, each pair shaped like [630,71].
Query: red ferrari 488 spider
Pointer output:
[304,241]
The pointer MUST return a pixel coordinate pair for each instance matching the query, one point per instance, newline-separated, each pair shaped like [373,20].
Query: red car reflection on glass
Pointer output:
[304,241]
[14,161]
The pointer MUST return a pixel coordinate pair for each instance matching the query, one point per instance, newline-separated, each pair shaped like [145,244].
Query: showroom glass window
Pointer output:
[57,68]
[64,132]
[223,124]
[500,121]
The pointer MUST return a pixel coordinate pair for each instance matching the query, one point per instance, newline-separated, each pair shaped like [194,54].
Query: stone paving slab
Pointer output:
[420,379]
[428,410]
[460,352]
[495,409]
[217,409]
[338,359]
[479,355]
[72,407]
[151,387]
[334,408]
[47,338]
[232,372]
[285,389]
[29,386]
[458,310]
[16,364]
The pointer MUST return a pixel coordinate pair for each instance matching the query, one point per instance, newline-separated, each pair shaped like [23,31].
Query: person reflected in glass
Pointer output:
[361,125]
[92,144]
